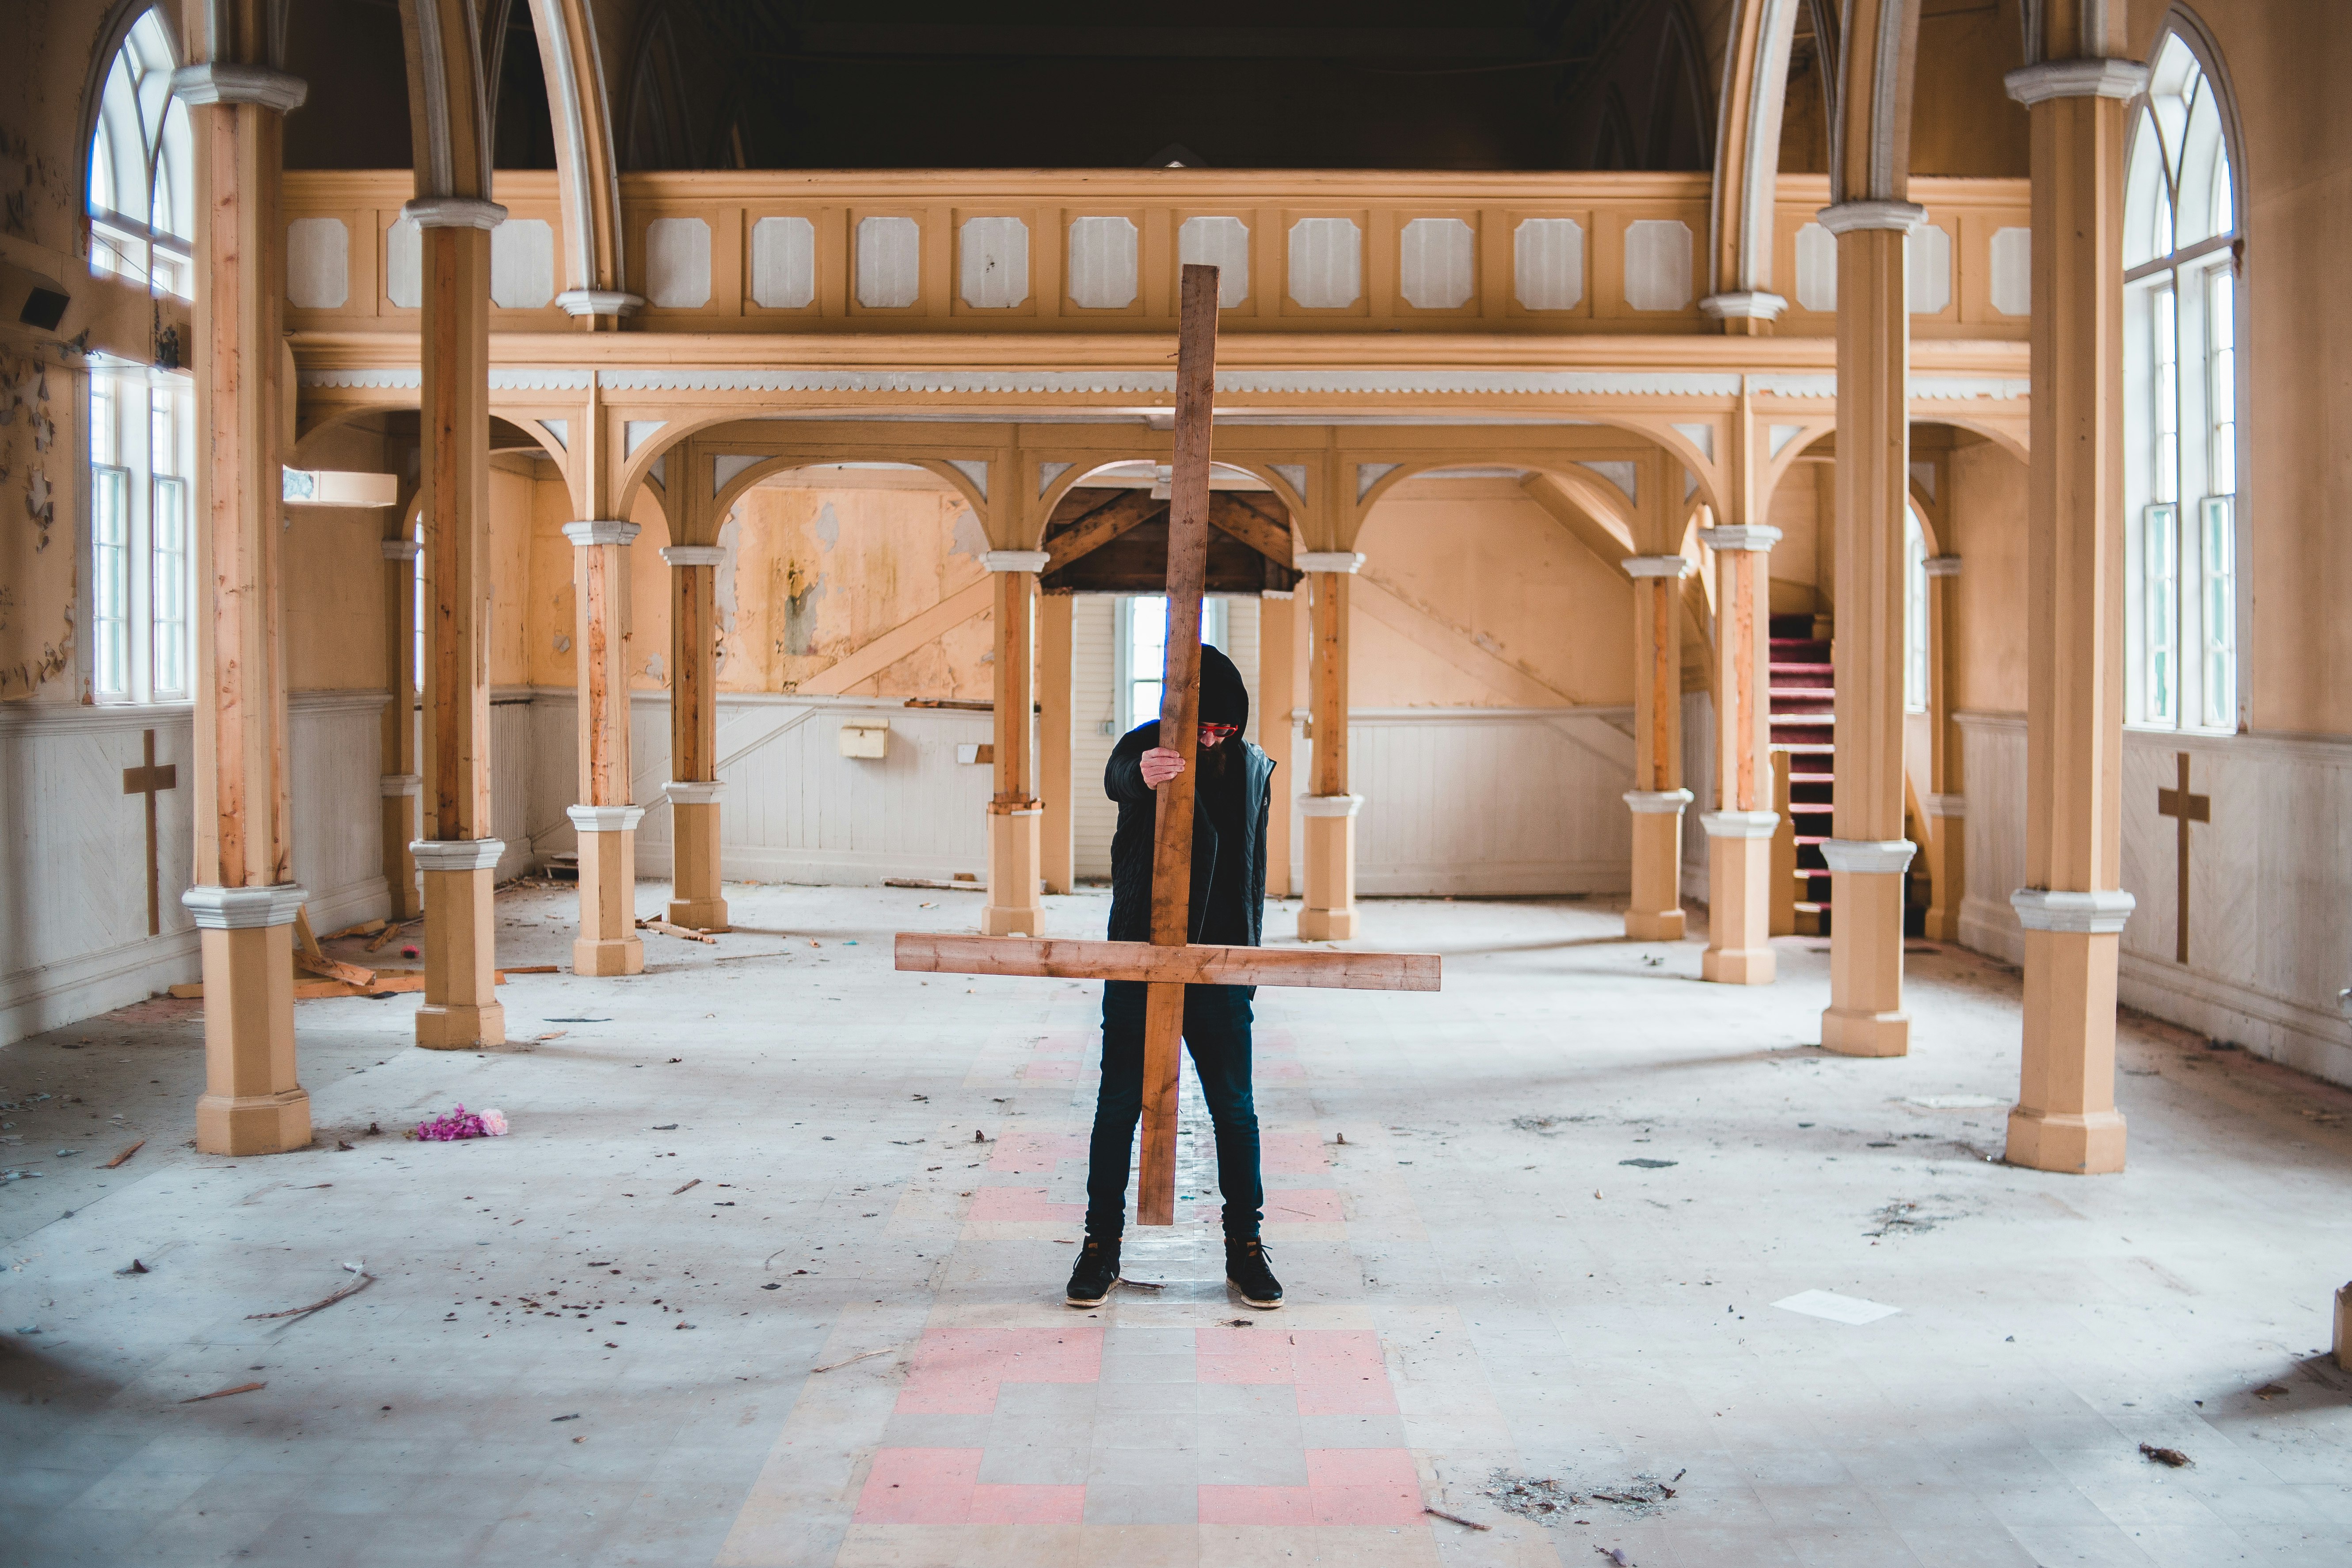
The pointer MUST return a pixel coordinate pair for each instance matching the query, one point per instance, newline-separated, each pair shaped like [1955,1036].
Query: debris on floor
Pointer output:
[2271,1391]
[222,1393]
[353,1289]
[1650,1164]
[119,1159]
[1849,1310]
[1454,1518]
[452,1125]
[2172,1456]
[1548,1500]
[136,1267]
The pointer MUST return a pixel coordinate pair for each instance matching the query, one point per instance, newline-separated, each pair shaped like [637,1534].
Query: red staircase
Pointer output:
[1803,695]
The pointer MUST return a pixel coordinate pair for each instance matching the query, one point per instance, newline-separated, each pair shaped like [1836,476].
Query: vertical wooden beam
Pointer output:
[2072,907]
[1653,910]
[1740,829]
[1278,692]
[1057,851]
[605,821]
[1179,729]
[1947,804]
[696,900]
[1015,821]
[1329,912]
[244,902]
[400,782]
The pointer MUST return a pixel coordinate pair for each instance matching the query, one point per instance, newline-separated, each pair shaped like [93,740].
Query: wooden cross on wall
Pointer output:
[1169,961]
[2188,808]
[146,780]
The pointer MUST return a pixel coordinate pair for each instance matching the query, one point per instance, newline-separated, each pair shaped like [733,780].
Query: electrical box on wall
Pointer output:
[866,738]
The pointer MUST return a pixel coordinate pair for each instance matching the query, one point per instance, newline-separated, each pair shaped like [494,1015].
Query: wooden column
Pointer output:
[604,820]
[1867,853]
[1653,909]
[2072,907]
[397,742]
[1740,831]
[1328,914]
[1947,805]
[1057,852]
[1016,822]
[694,790]
[244,901]
[1277,697]
[458,855]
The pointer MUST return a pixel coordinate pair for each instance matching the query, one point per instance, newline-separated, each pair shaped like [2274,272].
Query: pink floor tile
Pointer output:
[1364,1485]
[1020,1203]
[1028,1149]
[1257,1505]
[1242,1355]
[1341,1372]
[1295,1152]
[957,1372]
[942,1486]
[1048,1071]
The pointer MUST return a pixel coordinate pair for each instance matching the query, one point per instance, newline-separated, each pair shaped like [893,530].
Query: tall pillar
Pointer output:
[2072,907]
[694,789]
[1058,851]
[1653,912]
[1016,822]
[1739,830]
[1277,696]
[604,821]
[1948,802]
[401,780]
[1867,853]
[1328,914]
[244,899]
[458,855]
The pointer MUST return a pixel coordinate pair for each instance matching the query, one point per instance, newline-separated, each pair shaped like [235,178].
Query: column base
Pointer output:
[706,915]
[1857,1033]
[2085,1145]
[1327,925]
[626,955]
[254,1123]
[1655,925]
[450,1026]
[1015,853]
[2344,1327]
[1739,965]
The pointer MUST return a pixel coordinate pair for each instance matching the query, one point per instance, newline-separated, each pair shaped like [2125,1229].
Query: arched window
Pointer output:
[1914,615]
[141,217]
[2182,380]
[142,443]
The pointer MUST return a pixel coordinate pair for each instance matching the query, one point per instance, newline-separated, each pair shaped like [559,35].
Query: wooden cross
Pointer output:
[1170,962]
[147,779]
[2180,803]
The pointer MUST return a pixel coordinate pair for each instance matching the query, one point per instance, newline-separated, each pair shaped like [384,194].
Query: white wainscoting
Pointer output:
[2267,879]
[1491,800]
[73,865]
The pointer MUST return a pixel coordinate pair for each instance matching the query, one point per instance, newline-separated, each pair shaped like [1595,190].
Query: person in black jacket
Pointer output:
[1230,804]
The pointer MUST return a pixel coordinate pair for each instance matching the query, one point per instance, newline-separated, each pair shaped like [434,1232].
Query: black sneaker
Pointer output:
[1246,1271]
[1097,1273]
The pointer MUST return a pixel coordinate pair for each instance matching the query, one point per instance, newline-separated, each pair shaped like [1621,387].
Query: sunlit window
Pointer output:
[1915,618]
[1143,652]
[141,541]
[2183,382]
[141,217]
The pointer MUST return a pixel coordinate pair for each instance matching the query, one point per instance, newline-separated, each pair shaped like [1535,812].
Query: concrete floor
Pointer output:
[604,1338]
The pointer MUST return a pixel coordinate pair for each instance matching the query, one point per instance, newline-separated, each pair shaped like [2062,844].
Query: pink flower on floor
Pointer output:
[461,1123]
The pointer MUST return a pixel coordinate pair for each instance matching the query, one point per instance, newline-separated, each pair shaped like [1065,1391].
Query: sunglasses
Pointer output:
[1214,734]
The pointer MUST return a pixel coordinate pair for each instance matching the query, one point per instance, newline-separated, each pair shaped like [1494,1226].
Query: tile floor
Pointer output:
[636,1331]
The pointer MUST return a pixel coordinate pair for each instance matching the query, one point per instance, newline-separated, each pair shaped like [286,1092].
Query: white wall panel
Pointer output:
[1222,242]
[1437,263]
[1102,263]
[1930,269]
[889,262]
[403,264]
[995,270]
[1657,264]
[1327,262]
[677,263]
[522,264]
[2012,272]
[783,263]
[1816,268]
[1548,264]
[318,263]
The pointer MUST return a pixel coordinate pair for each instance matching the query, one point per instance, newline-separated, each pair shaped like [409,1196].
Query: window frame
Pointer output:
[121,406]
[119,241]
[2186,143]
[1215,623]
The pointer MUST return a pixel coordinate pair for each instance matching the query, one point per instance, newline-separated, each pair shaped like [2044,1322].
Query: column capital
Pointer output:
[1655,566]
[605,819]
[225,81]
[1657,802]
[1846,217]
[1739,824]
[1942,566]
[1015,560]
[2100,913]
[2030,85]
[453,212]
[393,786]
[602,530]
[692,554]
[402,550]
[243,909]
[1329,804]
[1345,561]
[599,301]
[694,792]
[1871,857]
[1747,304]
[456,853]
[1747,536]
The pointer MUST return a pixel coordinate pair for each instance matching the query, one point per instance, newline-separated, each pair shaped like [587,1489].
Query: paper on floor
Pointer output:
[1837,1308]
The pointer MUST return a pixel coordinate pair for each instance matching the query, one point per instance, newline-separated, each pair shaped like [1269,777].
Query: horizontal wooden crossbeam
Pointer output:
[1053,958]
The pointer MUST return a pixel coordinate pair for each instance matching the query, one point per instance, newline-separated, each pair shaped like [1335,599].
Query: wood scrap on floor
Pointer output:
[1454,1518]
[658,924]
[385,937]
[365,928]
[353,1289]
[222,1393]
[306,940]
[333,969]
[126,1154]
[869,1355]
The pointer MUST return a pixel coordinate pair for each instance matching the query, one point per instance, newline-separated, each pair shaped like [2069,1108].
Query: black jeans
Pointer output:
[1217,1033]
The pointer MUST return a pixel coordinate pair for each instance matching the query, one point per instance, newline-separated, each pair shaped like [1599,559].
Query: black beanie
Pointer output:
[1223,699]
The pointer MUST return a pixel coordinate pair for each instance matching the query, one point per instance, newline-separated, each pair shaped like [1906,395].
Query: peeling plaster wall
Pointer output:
[43,478]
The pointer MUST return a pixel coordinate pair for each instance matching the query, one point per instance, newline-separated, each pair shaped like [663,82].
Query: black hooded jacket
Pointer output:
[1233,793]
